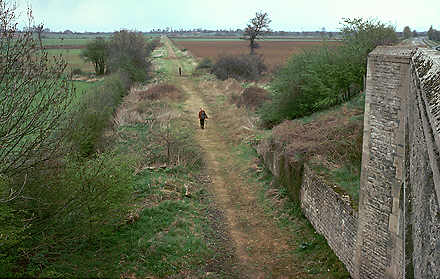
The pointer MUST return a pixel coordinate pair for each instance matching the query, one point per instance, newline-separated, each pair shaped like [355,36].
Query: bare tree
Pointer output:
[257,27]
[35,92]
[128,50]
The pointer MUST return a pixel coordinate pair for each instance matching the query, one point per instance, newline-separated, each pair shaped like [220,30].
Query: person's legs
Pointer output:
[202,123]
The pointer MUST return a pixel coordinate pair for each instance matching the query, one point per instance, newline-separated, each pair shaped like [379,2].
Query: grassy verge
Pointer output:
[166,237]
[74,59]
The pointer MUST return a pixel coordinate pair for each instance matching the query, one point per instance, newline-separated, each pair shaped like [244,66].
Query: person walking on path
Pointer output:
[202,117]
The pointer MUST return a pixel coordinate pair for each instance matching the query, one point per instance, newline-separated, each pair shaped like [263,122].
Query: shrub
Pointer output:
[240,67]
[101,191]
[324,77]
[96,52]
[253,97]
[35,92]
[205,63]
[309,82]
[12,230]
[81,197]
[93,114]
[128,52]
[77,71]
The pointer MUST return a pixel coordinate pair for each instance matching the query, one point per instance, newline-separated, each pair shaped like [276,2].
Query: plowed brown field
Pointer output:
[274,52]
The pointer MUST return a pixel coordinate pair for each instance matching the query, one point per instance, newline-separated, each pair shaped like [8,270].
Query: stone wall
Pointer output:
[399,218]
[423,229]
[331,216]
[379,252]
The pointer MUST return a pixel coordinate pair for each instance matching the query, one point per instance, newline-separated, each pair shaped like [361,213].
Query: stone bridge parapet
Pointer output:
[399,219]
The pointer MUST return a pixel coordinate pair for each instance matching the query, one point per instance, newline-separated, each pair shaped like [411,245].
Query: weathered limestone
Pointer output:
[379,252]
[423,218]
[331,216]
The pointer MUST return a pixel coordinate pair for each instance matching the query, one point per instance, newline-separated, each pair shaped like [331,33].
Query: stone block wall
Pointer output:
[423,230]
[379,252]
[331,216]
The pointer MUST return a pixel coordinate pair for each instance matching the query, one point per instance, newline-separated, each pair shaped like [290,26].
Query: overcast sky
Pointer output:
[287,15]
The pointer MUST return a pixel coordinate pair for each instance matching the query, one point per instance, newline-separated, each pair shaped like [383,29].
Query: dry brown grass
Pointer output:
[161,91]
[142,105]
[252,98]
[335,136]
[240,121]
[163,136]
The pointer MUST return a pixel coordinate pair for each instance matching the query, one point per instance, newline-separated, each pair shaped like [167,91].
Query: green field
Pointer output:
[81,40]
[66,42]
[73,58]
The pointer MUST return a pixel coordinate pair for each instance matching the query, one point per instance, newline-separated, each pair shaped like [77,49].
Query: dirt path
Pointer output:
[262,249]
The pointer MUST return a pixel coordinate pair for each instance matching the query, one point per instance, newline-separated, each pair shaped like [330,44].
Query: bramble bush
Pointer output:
[240,67]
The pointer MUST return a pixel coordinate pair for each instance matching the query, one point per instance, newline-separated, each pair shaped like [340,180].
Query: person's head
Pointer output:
[201,108]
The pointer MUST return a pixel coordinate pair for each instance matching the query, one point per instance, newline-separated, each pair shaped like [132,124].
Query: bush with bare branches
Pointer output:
[128,52]
[35,93]
[239,67]
[253,97]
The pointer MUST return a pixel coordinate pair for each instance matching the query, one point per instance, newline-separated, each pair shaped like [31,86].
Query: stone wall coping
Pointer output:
[427,66]
[393,53]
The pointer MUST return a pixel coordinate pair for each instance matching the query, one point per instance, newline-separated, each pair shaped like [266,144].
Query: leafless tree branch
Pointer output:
[35,93]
